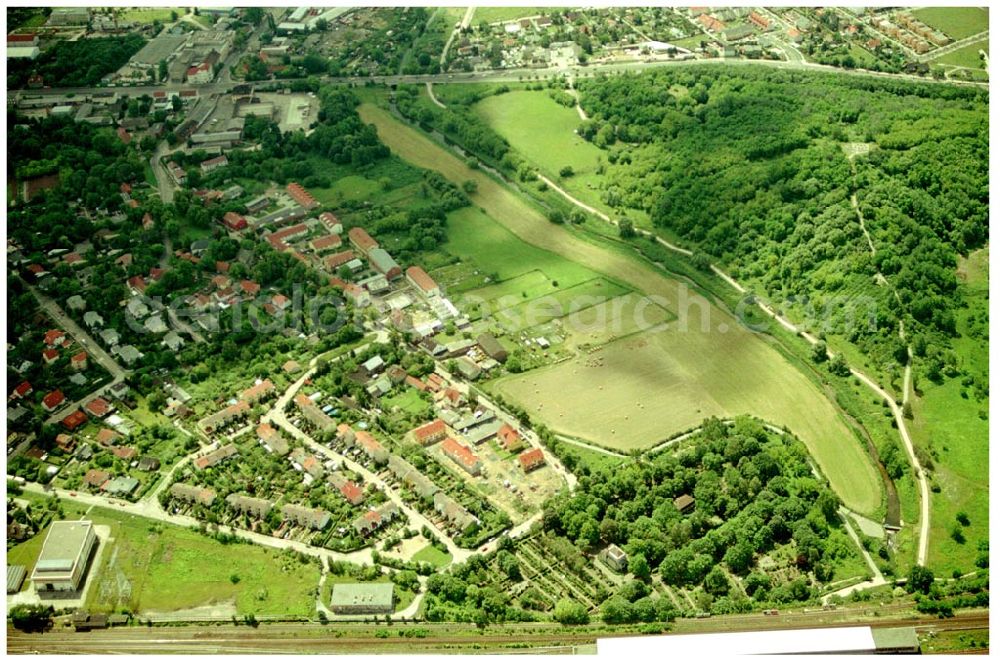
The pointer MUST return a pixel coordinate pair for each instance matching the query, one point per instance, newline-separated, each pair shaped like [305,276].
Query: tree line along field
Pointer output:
[763,381]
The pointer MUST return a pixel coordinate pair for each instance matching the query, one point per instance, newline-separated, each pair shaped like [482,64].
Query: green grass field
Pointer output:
[26,553]
[474,237]
[152,567]
[494,14]
[348,188]
[408,401]
[547,139]
[967,56]
[650,386]
[952,425]
[956,22]
[148,15]
[433,555]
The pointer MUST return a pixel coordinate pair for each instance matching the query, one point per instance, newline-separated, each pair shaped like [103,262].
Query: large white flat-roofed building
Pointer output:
[64,557]
[361,598]
[860,640]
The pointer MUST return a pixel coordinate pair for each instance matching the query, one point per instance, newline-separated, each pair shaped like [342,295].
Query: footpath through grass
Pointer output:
[715,366]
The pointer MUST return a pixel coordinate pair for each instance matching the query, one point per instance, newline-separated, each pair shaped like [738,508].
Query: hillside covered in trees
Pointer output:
[751,167]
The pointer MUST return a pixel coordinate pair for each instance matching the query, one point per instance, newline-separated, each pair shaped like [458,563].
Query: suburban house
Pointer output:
[361,240]
[352,493]
[107,436]
[371,447]
[451,510]
[258,392]
[53,400]
[22,390]
[614,558]
[192,494]
[461,455]
[430,433]
[301,196]
[228,414]
[257,507]
[314,414]
[50,355]
[96,478]
[215,457]
[315,519]
[509,439]
[54,338]
[684,503]
[98,407]
[272,438]
[422,281]
[531,459]
[74,420]
[373,520]
[234,221]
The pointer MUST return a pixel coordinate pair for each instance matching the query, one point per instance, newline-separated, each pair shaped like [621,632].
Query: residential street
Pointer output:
[94,352]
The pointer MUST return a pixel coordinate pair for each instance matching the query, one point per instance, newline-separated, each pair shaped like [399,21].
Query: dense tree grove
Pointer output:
[753,492]
[75,63]
[750,166]
[755,496]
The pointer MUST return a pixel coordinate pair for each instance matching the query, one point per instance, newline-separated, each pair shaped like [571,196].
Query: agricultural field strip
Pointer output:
[904,435]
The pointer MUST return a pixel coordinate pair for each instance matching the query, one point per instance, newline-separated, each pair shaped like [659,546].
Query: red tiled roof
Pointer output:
[22,389]
[361,239]
[531,459]
[53,399]
[137,282]
[250,287]
[326,242]
[352,492]
[429,430]
[105,436]
[333,261]
[421,278]
[75,419]
[98,407]
[52,337]
[50,354]
[459,452]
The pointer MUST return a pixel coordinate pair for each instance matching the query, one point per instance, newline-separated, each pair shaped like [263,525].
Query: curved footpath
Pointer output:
[897,412]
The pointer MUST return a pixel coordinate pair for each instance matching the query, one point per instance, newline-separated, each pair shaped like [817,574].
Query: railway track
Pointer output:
[285,639]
